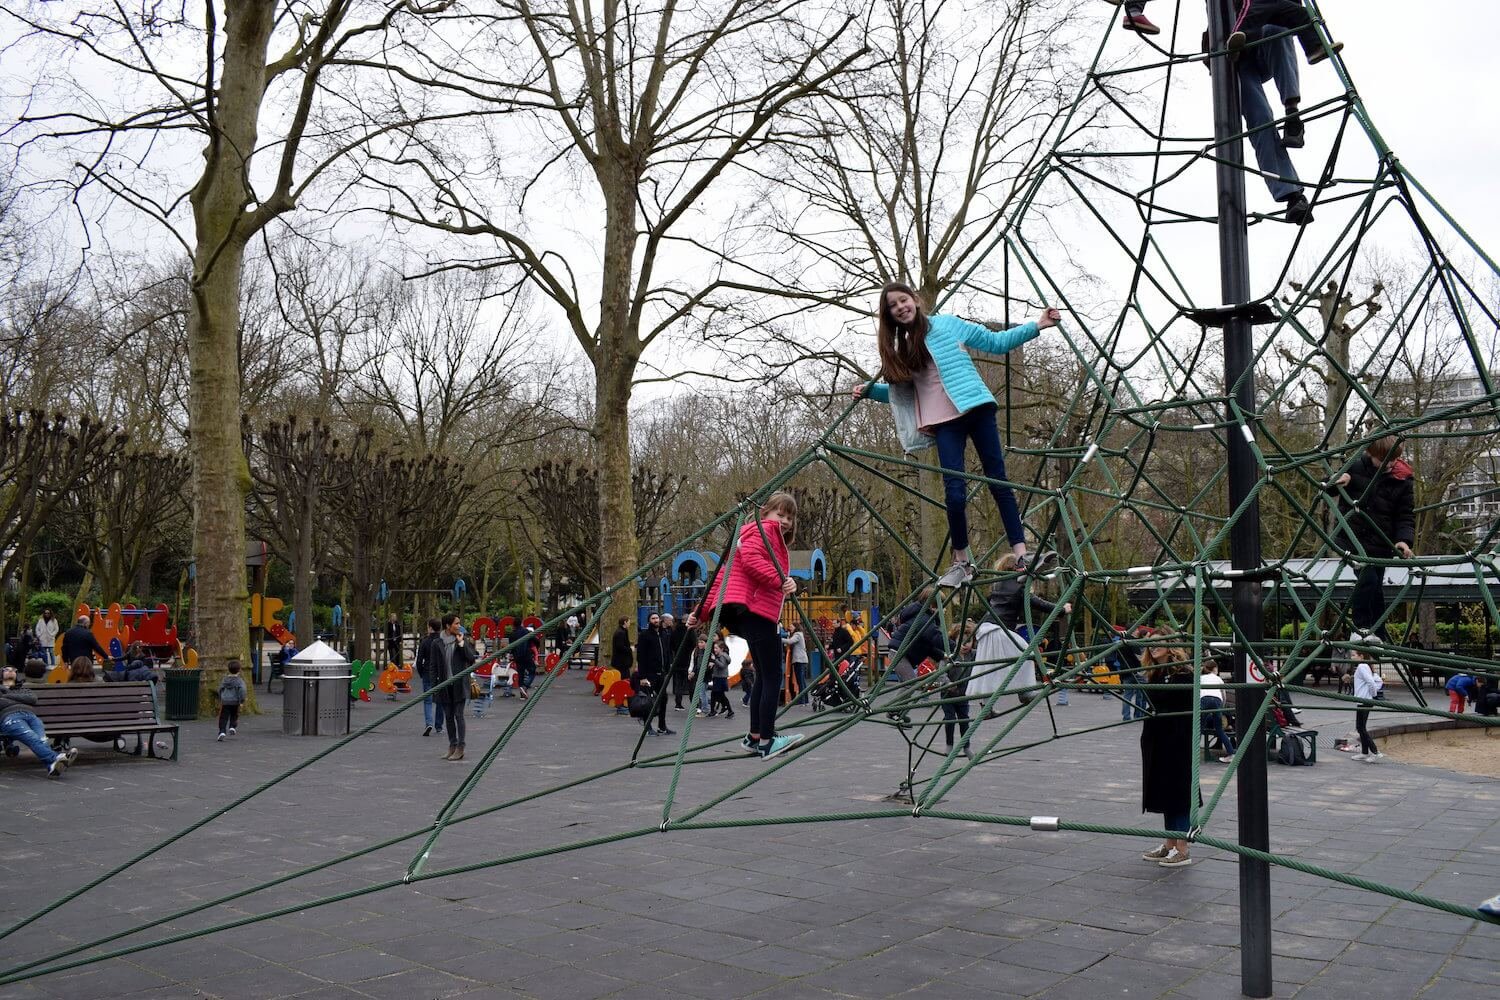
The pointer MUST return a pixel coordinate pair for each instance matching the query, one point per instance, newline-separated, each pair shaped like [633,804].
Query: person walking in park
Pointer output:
[19,722]
[455,654]
[232,695]
[1009,599]
[653,657]
[1377,505]
[683,642]
[79,641]
[1367,688]
[524,653]
[719,682]
[937,397]
[621,657]
[428,651]
[1167,747]
[795,642]
[751,595]
[45,630]
[393,637]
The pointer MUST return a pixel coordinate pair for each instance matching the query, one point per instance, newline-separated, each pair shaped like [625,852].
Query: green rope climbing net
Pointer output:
[1137,197]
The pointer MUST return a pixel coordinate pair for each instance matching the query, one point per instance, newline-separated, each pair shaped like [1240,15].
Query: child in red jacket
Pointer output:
[751,596]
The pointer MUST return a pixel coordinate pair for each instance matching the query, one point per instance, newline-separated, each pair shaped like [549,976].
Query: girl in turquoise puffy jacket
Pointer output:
[939,398]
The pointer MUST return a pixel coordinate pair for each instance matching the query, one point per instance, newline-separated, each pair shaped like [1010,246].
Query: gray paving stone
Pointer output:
[924,908]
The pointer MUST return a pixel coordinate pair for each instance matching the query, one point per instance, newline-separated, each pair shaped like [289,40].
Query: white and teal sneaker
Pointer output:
[780,744]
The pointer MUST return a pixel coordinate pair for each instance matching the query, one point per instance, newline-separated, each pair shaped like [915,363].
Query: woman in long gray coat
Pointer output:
[455,654]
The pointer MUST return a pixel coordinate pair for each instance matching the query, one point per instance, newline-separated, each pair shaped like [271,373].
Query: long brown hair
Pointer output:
[903,350]
[782,503]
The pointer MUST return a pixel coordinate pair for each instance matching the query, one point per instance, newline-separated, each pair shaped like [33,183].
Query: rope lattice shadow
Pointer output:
[1113,465]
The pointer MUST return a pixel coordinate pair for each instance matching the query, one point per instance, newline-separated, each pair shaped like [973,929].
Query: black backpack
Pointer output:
[1293,750]
[640,702]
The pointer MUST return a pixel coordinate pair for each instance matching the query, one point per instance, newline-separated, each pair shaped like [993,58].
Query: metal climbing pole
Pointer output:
[1244,541]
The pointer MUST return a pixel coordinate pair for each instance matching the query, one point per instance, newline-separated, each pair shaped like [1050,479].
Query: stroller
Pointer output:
[828,693]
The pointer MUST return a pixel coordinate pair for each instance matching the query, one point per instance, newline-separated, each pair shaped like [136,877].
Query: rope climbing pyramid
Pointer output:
[1345,352]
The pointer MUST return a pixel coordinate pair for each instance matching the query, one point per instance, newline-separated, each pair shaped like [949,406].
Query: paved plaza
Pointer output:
[867,908]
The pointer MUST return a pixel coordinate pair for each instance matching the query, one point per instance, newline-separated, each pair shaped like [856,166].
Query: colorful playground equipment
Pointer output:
[116,627]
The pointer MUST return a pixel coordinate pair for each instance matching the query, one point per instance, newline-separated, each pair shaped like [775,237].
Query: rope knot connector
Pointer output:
[1045,823]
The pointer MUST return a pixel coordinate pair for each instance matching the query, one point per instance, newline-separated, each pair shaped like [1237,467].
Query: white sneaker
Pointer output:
[1377,758]
[958,574]
[1360,757]
[232,730]
[219,738]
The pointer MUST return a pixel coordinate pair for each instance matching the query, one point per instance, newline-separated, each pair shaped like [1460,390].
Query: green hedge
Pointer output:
[60,603]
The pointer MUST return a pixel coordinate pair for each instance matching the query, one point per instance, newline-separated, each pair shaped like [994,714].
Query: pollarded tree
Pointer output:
[624,126]
[141,83]
[42,460]
[562,498]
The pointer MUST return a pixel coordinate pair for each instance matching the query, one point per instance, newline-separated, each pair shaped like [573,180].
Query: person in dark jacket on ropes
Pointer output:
[683,644]
[1377,502]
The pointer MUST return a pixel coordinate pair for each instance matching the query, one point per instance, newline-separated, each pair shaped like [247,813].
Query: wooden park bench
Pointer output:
[119,709]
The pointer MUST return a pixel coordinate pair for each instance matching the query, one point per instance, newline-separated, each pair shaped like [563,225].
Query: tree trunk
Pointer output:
[221,476]
[302,565]
[617,353]
[361,602]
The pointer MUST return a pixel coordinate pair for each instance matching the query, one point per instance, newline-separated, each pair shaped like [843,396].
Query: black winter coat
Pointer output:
[1008,604]
[917,617]
[1380,506]
[79,641]
[684,641]
[653,652]
[1167,749]
[427,650]
[464,657]
[620,655]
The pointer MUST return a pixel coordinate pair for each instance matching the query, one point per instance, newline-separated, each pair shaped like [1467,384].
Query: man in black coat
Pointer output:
[525,656]
[1377,500]
[427,650]
[653,657]
[79,641]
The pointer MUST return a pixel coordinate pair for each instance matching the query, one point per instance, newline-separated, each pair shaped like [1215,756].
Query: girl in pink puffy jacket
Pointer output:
[751,596]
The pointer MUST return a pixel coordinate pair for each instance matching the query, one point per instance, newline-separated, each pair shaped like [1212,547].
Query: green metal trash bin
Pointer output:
[182,693]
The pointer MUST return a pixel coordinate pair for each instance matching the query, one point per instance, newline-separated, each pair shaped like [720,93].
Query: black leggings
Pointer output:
[719,701]
[229,717]
[765,653]
[1366,742]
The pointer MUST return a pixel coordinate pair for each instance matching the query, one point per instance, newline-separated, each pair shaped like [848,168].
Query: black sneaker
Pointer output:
[1293,134]
[1324,53]
[427,731]
[664,731]
[1298,211]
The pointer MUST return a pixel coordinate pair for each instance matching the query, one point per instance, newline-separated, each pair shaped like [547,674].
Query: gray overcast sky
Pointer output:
[1430,77]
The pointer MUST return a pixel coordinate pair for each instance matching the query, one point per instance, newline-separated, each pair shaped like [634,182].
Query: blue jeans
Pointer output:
[1272,61]
[1133,702]
[978,425]
[1213,719]
[427,710]
[27,728]
[799,670]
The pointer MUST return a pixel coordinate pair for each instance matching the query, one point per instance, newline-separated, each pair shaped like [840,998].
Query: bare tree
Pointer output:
[211,76]
[453,351]
[637,115]
[562,497]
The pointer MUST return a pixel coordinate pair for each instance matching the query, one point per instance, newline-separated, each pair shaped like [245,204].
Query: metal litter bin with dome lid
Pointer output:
[316,698]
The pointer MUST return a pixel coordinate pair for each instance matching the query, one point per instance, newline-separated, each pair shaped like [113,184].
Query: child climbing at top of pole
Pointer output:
[752,593]
[937,397]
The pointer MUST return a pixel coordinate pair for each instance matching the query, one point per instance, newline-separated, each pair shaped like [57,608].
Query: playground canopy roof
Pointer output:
[1309,579]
